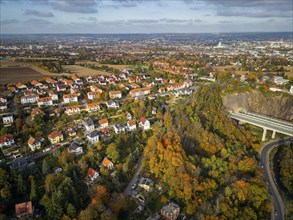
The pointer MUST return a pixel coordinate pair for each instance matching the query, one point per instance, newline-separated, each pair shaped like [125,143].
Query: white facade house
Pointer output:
[112,104]
[92,107]
[92,174]
[53,96]
[139,92]
[115,94]
[88,124]
[67,98]
[131,125]
[144,124]
[34,144]
[119,128]
[71,110]
[93,137]
[104,123]
[92,95]
[47,101]
[7,119]
[29,99]
[75,148]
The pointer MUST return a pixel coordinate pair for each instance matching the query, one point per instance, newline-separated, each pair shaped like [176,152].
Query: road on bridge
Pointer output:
[279,211]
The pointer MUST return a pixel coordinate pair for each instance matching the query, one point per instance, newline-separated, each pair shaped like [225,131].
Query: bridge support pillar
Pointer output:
[264,134]
[274,134]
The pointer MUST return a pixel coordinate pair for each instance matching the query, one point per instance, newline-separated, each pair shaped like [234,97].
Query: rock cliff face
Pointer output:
[278,106]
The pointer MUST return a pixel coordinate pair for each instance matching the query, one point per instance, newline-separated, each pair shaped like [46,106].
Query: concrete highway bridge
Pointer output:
[265,122]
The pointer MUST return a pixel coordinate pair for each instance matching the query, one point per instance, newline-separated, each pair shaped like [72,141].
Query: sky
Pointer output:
[144,16]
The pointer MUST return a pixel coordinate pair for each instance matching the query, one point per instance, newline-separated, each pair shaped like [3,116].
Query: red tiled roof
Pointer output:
[31,141]
[24,208]
[114,92]
[103,121]
[106,162]
[131,123]
[69,95]
[91,171]
[55,134]
[5,137]
[36,111]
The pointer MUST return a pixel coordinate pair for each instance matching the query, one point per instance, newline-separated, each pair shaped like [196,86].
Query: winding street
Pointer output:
[134,179]
[278,210]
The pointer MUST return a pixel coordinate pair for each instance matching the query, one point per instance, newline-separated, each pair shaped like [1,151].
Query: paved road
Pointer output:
[278,210]
[134,179]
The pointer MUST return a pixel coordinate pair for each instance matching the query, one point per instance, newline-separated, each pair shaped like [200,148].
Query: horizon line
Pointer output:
[154,33]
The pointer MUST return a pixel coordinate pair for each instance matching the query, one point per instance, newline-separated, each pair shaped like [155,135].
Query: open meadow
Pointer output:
[83,71]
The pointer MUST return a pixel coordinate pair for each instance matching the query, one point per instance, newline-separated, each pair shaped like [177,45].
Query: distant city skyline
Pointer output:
[142,16]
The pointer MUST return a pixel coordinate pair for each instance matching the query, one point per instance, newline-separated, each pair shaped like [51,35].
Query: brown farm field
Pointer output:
[83,71]
[19,74]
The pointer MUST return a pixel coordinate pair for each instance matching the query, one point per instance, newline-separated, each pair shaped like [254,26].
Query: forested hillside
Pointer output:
[205,162]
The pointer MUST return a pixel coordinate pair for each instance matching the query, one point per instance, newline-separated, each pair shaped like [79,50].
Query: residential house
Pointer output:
[134,86]
[3,99]
[107,163]
[139,92]
[55,137]
[162,89]
[119,128]
[145,183]
[71,132]
[104,123]
[6,140]
[93,95]
[11,89]
[276,89]
[75,149]
[61,88]
[131,125]
[71,110]
[68,98]
[7,119]
[112,104]
[34,143]
[92,107]
[19,85]
[92,174]
[94,88]
[53,96]
[128,116]
[170,211]
[35,83]
[50,81]
[75,91]
[35,112]
[47,101]
[24,210]
[88,124]
[115,94]
[280,80]
[3,106]
[93,137]
[77,80]
[68,82]
[144,123]
[29,99]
